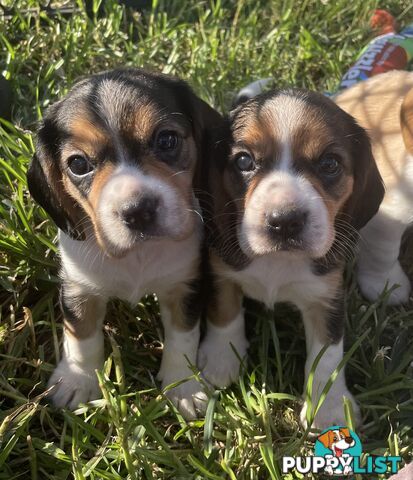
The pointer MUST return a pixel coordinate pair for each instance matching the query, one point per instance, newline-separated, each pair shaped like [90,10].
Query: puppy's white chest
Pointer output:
[277,278]
[152,267]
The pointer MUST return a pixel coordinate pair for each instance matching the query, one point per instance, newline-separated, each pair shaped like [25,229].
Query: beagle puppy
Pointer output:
[384,106]
[338,441]
[114,167]
[292,180]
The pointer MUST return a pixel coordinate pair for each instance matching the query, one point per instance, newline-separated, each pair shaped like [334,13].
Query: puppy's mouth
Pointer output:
[292,245]
[338,452]
[257,240]
[289,245]
[130,241]
[128,228]
[152,234]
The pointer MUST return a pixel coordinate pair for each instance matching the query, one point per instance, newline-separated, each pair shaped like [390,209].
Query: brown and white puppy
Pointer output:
[338,441]
[114,168]
[384,106]
[296,182]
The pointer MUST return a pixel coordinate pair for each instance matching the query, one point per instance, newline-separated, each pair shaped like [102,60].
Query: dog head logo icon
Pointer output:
[337,440]
[338,443]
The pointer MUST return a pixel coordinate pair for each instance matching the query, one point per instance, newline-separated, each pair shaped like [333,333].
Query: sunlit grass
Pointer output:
[133,432]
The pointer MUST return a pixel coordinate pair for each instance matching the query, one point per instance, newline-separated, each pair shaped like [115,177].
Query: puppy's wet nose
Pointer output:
[140,215]
[349,440]
[287,224]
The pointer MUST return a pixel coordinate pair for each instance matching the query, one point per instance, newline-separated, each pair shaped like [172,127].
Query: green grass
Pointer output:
[134,432]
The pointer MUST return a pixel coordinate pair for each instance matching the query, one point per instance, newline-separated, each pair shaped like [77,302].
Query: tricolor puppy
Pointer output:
[114,168]
[297,181]
[338,441]
[384,106]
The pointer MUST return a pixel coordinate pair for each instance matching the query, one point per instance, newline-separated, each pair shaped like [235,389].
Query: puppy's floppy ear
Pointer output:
[327,438]
[368,188]
[212,135]
[44,178]
[206,123]
[224,204]
[205,118]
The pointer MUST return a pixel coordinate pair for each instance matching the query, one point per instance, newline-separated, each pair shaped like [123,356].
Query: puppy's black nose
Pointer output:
[287,224]
[140,215]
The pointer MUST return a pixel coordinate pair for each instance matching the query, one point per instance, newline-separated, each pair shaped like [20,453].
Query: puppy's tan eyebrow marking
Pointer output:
[248,131]
[254,136]
[144,121]
[83,130]
[311,141]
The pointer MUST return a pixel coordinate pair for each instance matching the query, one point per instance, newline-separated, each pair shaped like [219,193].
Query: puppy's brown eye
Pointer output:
[329,165]
[79,166]
[245,162]
[167,141]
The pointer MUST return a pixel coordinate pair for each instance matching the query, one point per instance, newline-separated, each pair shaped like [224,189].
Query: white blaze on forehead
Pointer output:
[285,114]
[114,99]
[109,104]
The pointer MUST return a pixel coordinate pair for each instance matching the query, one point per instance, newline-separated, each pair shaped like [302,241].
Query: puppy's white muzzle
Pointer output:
[285,212]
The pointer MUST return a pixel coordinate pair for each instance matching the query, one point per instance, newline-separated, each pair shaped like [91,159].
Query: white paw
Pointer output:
[220,360]
[373,284]
[347,470]
[189,396]
[74,385]
[329,470]
[331,412]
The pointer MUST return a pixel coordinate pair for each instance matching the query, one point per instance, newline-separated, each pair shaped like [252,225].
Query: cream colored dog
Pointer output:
[384,106]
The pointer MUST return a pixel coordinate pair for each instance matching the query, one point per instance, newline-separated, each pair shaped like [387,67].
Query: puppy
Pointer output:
[384,106]
[338,441]
[291,182]
[114,168]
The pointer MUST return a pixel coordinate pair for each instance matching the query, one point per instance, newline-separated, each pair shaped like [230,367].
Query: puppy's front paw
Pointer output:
[329,470]
[189,398]
[347,470]
[331,411]
[219,362]
[373,284]
[73,385]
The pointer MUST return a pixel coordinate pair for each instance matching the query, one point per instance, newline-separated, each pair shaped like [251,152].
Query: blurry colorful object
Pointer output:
[388,51]
[383,22]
